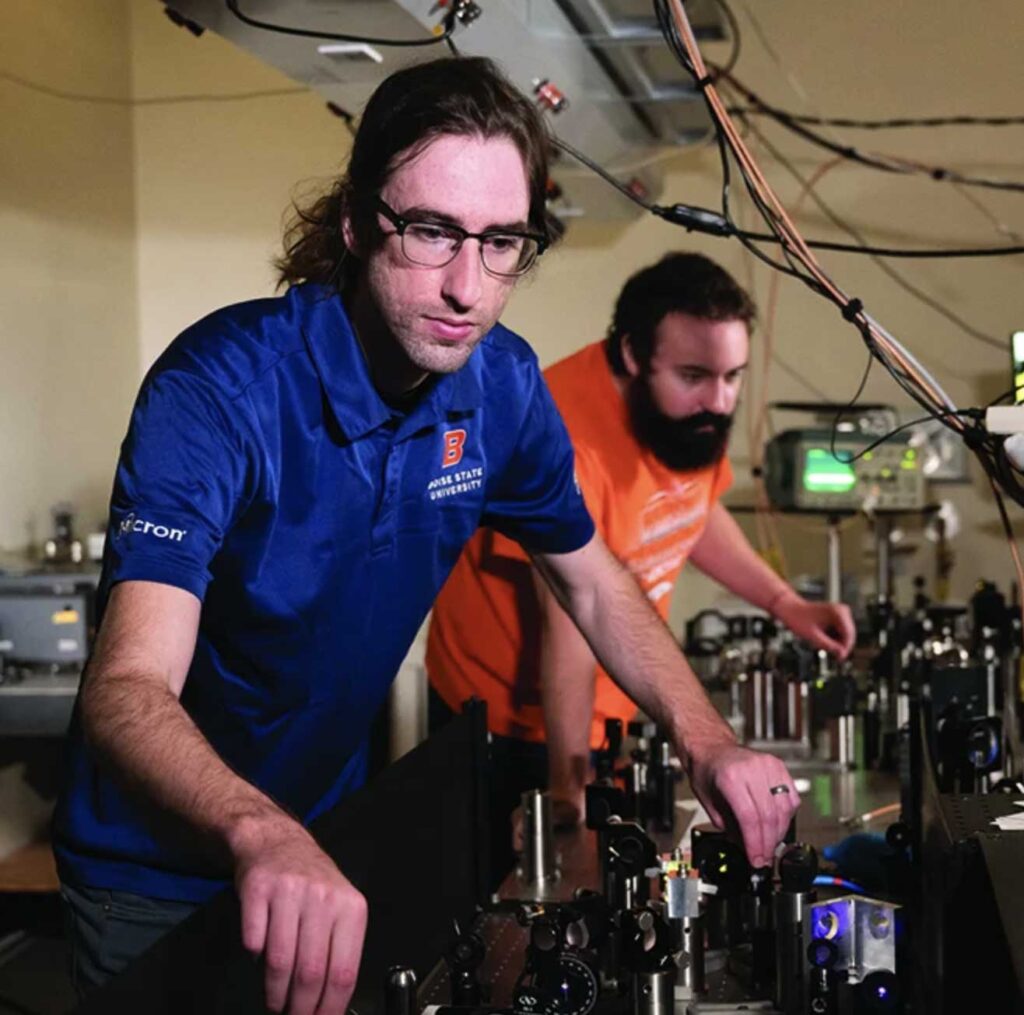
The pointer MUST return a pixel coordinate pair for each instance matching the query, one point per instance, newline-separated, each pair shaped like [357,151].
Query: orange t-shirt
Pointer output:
[485,631]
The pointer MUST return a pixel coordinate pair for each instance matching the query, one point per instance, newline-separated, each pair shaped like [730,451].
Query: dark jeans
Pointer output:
[107,929]
[516,766]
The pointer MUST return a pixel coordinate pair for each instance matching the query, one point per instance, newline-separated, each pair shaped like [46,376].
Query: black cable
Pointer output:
[923,253]
[971,413]
[723,157]
[897,375]
[706,221]
[919,294]
[855,155]
[724,225]
[850,405]
[602,172]
[721,225]
[977,440]
[1004,517]
[921,121]
[726,216]
[734,34]
[344,115]
[727,225]
[309,33]
[158,100]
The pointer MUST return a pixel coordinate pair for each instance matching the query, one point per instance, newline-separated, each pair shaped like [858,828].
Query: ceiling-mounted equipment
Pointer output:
[599,68]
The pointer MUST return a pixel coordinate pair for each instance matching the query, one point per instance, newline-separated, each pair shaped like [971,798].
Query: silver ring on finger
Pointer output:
[776,790]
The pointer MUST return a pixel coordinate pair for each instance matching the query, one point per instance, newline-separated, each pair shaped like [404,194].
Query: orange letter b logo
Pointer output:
[453,441]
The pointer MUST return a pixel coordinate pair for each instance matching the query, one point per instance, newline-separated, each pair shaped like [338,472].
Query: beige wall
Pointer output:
[214,178]
[122,226]
[68,336]
[93,294]
[68,327]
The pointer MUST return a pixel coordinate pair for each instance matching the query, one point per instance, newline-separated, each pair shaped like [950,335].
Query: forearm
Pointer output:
[724,553]
[639,652]
[567,674]
[142,732]
[567,720]
[637,649]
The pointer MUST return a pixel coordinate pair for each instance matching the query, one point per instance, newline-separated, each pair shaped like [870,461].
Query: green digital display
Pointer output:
[824,474]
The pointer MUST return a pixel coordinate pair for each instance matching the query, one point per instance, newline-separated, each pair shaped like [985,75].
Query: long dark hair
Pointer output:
[414,106]
[679,283]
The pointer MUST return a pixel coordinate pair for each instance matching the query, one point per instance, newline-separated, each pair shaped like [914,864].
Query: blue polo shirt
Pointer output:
[264,474]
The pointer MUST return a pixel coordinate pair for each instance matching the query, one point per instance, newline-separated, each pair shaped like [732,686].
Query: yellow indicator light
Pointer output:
[65,617]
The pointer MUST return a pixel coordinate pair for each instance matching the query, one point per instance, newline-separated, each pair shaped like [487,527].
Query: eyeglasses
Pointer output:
[435,244]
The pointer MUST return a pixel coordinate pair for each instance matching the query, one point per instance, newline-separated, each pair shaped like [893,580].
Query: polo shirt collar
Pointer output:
[345,374]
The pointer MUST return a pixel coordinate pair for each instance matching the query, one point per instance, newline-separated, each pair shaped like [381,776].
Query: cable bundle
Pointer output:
[801,263]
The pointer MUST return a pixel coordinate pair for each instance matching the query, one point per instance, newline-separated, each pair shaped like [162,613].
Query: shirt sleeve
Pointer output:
[181,480]
[593,482]
[537,500]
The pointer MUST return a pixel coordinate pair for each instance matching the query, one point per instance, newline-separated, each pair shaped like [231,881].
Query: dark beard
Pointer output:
[678,444]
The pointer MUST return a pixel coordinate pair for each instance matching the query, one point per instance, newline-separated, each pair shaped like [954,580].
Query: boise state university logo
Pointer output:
[453,441]
[451,484]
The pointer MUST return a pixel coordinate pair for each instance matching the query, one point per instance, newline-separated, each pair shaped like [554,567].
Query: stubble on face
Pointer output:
[401,326]
[404,312]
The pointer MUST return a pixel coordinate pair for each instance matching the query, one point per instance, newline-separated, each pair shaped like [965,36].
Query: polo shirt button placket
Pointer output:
[383,535]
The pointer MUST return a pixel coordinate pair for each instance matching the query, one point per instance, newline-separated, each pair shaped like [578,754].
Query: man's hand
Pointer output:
[828,626]
[301,914]
[734,785]
[298,911]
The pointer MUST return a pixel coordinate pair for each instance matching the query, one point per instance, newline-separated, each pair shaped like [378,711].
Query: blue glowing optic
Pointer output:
[881,993]
[831,922]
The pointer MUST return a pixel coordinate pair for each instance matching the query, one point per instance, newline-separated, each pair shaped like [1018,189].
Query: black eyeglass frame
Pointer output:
[401,223]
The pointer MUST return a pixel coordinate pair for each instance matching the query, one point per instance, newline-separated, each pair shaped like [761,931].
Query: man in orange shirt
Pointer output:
[649,411]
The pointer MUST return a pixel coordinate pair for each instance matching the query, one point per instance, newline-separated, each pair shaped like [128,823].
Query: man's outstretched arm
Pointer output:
[724,553]
[637,649]
[298,910]
[567,675]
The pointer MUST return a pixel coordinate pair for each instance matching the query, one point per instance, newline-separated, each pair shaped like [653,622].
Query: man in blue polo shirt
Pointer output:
[298,478]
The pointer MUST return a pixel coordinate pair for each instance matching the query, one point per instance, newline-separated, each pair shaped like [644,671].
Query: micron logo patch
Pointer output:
[132,524]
